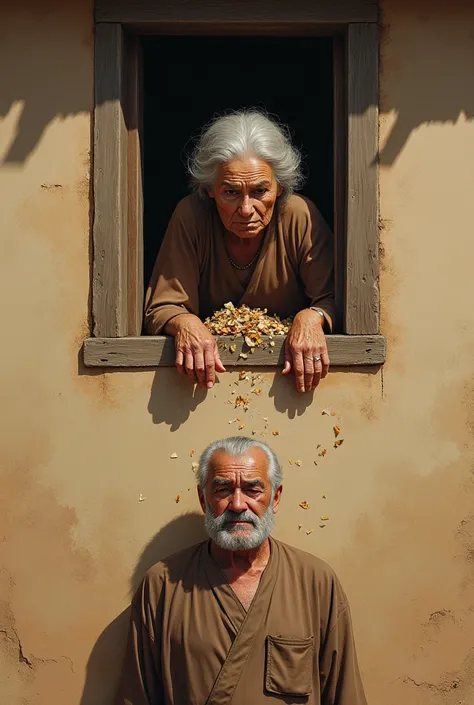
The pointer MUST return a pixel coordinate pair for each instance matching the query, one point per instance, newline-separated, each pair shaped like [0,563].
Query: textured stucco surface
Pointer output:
[78,448]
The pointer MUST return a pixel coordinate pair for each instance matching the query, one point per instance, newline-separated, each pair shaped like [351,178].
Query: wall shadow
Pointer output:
[427,80]
[286,398]
[104,664]
[173,398]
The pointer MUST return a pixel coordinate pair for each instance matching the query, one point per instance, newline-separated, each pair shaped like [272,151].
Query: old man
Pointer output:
[241,618]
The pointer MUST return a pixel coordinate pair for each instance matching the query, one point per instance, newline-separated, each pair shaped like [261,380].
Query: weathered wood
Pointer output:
[135,185]
[148,351]
[136,12]
[362,293]
[340,178]
[109,283]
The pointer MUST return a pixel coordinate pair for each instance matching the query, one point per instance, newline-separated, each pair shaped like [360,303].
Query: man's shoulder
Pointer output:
[307,563]
[173,566]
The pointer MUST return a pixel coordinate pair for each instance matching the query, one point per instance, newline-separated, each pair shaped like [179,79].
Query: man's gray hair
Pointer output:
[237,446]
[240,134]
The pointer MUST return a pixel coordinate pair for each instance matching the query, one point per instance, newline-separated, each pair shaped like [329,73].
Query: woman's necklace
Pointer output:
[245,266]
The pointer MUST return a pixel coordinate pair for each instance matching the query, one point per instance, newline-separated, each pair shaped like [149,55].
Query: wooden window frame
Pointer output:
[117,281]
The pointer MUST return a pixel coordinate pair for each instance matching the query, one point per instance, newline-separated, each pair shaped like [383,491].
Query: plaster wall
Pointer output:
[78,448]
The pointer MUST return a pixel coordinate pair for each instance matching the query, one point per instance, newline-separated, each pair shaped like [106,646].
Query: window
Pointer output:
[141,46]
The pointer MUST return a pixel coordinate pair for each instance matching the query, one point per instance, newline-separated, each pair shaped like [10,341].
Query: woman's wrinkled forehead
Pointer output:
[248,170]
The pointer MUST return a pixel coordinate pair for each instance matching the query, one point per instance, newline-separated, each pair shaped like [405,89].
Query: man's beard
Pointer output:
[230,537]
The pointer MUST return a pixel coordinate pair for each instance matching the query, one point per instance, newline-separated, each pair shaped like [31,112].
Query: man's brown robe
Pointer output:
[191,642]
[192,273]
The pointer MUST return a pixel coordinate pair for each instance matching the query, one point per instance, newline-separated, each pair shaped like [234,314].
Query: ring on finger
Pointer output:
[316,359]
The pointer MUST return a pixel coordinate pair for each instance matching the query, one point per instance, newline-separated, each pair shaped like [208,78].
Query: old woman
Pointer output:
[244,236]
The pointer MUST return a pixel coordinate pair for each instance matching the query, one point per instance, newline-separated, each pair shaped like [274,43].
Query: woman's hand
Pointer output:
[306,350]
[197,355]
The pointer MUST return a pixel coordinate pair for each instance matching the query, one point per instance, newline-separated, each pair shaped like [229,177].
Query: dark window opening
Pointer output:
[188,80]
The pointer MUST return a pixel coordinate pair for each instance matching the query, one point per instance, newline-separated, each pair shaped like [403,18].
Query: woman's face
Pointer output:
[245,193]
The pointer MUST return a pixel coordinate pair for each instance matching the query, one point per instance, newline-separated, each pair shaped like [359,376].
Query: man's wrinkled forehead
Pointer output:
[254,463]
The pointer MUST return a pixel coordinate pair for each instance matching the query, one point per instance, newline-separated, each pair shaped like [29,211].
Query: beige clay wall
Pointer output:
[78,448]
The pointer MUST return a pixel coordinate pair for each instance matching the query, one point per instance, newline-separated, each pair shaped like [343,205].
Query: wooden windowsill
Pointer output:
[159,351]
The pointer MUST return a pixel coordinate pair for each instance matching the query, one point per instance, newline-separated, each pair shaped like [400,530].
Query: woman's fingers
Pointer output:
[189,366]
[325,361]
[288,359]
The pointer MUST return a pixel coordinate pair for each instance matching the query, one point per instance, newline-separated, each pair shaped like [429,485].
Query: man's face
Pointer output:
[239,501]
[245,193]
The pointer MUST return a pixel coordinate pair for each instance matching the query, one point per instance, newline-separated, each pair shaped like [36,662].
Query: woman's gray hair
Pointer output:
[240,134]
[237,446]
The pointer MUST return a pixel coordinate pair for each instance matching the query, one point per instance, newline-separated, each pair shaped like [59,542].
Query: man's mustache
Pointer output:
[229,515]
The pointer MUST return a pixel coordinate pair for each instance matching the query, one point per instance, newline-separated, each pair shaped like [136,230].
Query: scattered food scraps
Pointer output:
[318,446]
[324,517]
[338,443]
[336,430]
[328,412]
[194,467]
[322,526]
[173,455]
[310,531]
[232,348]
[177,498]
[322,453]
[242,426]
[300,526]
[275,433]
[299,463]
[291,461]
[265,418]
[242,374]
[250,323]
[324,496]
[243,356]
[141,497]
[315,462]
[258,391]
[242,401]
[192,453]
[304,504]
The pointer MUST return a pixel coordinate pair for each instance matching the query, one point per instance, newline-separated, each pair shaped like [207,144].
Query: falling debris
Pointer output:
[173,455]
[265,418]
[243,356]
[192,453]
[242,426]
[322,453]
[324,496]
[318,446]
[304,504]
[233,420]
[242,401]
[141,497]
[258,391]
[299,463]
[291,461]
[322,526]
[337,431]
[300,526]
[310,531]
[194,467]
[177,498]
[328,412]
[315,462]
[338,443]
[324,517]
[275,433]
[242,375]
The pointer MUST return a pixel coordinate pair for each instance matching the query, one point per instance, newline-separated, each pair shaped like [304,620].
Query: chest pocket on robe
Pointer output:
[289,666]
